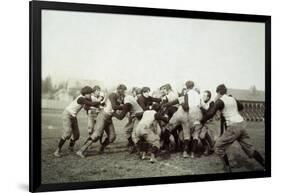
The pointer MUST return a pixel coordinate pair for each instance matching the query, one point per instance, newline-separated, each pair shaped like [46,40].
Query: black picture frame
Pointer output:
[35,8]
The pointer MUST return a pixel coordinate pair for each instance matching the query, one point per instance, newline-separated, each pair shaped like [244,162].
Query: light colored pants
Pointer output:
[130,126]
[70,127]
[92,118]
[104,124]
[151,134]
[234,132]
[187,120]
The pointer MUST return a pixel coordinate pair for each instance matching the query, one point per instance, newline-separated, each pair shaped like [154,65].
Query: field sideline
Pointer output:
[117,163]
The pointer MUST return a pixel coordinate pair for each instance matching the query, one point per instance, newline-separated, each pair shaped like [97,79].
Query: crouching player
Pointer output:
[148,131]
[69,118]
[236,128]
[104,121]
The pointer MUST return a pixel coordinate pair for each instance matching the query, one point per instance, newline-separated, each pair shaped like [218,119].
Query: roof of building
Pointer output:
[247,95]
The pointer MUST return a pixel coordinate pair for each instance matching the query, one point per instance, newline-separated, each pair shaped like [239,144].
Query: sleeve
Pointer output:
[125,109]
[203,110]
[211,104]
[168,104]
[141,102]
[158,116]
[157,100]
[113,99]
[219,105]
[222,124]
[239,105]
[84,101]
[185,105]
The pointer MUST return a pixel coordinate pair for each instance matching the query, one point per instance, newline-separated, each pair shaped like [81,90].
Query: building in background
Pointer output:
[253,101]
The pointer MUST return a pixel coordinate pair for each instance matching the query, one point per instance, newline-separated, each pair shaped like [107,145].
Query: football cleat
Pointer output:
[80,154]
[152,158]
[185,155]
[57,153]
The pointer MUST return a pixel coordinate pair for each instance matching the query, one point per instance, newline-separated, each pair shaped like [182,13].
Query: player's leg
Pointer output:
[207,141]
[133,148]
[140,141]
[195,115]
[244,141]
[204,141]
[67,132]
[98,131]
[210,141]
[128,132]
[91,121]
[223,142]
[195,139]
[153,139]
[186,138]
[75,133]
[172,127]
[174,139]
[111,136]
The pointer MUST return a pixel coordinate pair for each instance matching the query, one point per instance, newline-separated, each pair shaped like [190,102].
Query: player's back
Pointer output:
[136,108]
[230,110]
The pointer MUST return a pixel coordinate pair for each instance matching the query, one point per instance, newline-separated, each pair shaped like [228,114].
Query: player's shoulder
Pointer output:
[141,98]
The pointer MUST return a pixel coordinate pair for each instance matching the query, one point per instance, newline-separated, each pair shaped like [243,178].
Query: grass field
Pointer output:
[117,163]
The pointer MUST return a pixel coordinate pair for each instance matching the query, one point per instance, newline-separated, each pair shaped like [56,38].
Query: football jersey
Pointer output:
[136,108]
[95,99]
[108,107]
[73,108]
[194,98]
[171,96]
[230,110]
[147,118]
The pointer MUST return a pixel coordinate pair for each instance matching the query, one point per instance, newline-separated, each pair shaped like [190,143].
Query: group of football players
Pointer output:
[157,123]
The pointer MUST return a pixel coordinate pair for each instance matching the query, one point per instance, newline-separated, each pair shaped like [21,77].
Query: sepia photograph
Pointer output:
[135,96]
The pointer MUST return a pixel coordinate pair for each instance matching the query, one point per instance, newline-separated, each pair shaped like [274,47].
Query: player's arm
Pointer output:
[239,105]
[222,124]
[113,99]
[185,104]
[218,106]
[84,101]
[160,117]
[141,101]
[168,104]
[125,109]
[156,100]
[139,115]
[204,110]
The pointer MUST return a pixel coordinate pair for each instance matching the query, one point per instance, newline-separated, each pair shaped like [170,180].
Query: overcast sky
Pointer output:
[151,51]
